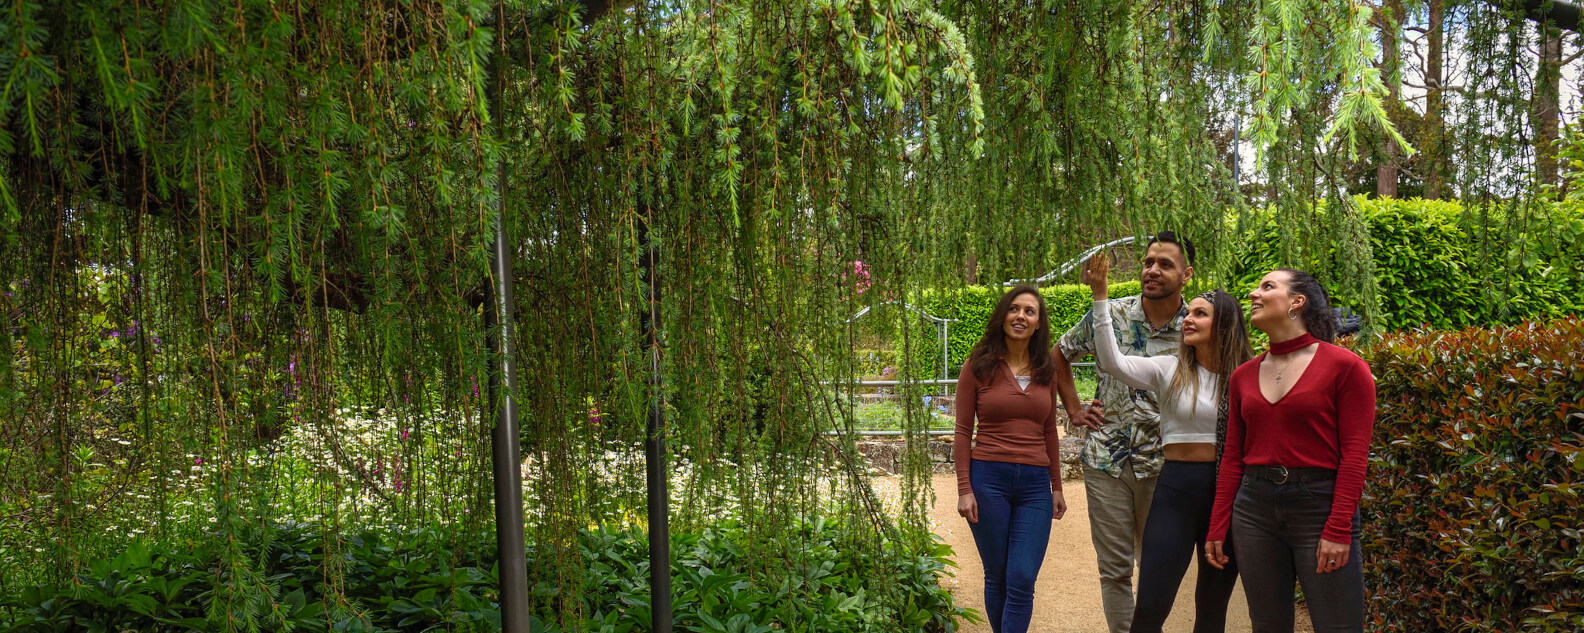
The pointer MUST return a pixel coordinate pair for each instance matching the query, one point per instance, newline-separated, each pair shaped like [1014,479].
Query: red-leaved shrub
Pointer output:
[1475,501]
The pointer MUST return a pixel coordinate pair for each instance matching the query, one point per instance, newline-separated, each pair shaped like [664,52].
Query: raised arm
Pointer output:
[1150,374]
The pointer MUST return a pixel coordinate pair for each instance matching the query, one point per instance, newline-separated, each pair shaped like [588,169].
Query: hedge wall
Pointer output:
[972,306]
[1431,265]
[1435,269]
[1475,499]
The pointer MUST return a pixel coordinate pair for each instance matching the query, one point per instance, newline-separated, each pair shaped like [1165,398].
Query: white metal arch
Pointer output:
[1072,264]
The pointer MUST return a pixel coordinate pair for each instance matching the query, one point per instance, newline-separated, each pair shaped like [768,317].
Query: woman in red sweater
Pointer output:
[1298,432]
[1009,481]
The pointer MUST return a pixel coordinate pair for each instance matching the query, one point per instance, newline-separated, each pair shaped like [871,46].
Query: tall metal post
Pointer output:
[506,438]
[945,339]
[655,445]
[1237,151]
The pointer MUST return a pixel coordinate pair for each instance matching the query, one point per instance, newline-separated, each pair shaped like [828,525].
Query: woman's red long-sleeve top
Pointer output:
[1325,421]
[1015,425]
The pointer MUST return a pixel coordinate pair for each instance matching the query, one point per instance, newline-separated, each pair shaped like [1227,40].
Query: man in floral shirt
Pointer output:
[1122,453]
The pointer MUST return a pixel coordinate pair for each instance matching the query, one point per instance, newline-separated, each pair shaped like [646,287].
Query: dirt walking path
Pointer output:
[1067,597]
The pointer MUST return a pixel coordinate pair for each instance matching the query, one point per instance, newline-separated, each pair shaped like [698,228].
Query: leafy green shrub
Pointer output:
[1434,267]
[973,305]
[429,579]
[1475,499]
[393,581]
[833,585]
[890,416]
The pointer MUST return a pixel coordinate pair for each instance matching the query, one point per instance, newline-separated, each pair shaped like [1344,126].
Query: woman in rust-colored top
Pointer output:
[1009,480]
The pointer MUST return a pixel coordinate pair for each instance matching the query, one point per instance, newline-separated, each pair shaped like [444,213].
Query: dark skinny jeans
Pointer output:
[1276,532]
[1015,509]
[1179,519]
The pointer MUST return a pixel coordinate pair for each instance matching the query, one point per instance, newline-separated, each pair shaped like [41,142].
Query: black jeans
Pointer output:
[1276,532]
[1179,519]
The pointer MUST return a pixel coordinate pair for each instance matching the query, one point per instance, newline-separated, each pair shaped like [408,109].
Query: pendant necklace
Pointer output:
[1280,370]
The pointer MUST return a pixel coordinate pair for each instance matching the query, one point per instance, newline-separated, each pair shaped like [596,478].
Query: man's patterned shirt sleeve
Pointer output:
[1131,434]
[1078,342]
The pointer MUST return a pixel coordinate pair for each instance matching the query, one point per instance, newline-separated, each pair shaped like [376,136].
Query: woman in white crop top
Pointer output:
[1192,387]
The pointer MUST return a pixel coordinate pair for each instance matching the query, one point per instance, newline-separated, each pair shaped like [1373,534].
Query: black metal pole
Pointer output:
[506,437]
[506,441]
[655,448]
[1237,152]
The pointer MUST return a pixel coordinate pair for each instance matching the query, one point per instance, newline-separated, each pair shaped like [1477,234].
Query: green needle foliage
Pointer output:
[234,228]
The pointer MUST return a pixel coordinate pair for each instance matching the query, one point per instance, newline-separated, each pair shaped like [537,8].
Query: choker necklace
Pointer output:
[1287,347]
[1297,343]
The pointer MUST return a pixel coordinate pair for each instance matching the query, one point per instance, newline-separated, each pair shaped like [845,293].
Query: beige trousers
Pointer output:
[1118,507]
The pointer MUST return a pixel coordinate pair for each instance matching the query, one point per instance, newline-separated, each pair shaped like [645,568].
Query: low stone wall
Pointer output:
[884,454]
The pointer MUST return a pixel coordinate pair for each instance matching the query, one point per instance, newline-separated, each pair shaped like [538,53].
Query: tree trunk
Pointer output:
[1391,64]
[1547,94]
[1435,102]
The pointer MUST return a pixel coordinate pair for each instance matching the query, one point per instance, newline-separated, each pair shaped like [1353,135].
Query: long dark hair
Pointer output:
[1228,337]
[987,353]
[1316,313]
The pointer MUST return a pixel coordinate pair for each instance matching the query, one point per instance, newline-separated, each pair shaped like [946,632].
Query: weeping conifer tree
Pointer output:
[229,222]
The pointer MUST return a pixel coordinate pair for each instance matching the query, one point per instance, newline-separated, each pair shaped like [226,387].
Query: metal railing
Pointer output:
[948,381]
[893,383]
[891,432]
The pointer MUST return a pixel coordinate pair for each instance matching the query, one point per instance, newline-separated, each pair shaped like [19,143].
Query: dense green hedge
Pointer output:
[1475,499]
[435,580]
[1435,267]
[972,306]
[1431,265]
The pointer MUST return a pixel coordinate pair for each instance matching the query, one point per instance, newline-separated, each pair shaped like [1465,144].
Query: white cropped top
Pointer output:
[1184,419]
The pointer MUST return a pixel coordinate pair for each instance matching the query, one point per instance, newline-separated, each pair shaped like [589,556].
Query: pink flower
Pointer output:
[860,276]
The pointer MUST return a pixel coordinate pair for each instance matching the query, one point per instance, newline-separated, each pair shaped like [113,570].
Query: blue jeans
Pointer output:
[1179,519]
[1015,509]
[1276,532]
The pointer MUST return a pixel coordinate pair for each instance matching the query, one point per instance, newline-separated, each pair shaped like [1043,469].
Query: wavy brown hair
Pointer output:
[1229,337]
[992,346]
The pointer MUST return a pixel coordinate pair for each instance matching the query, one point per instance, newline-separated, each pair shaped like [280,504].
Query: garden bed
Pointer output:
[838,578]
[885,455]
